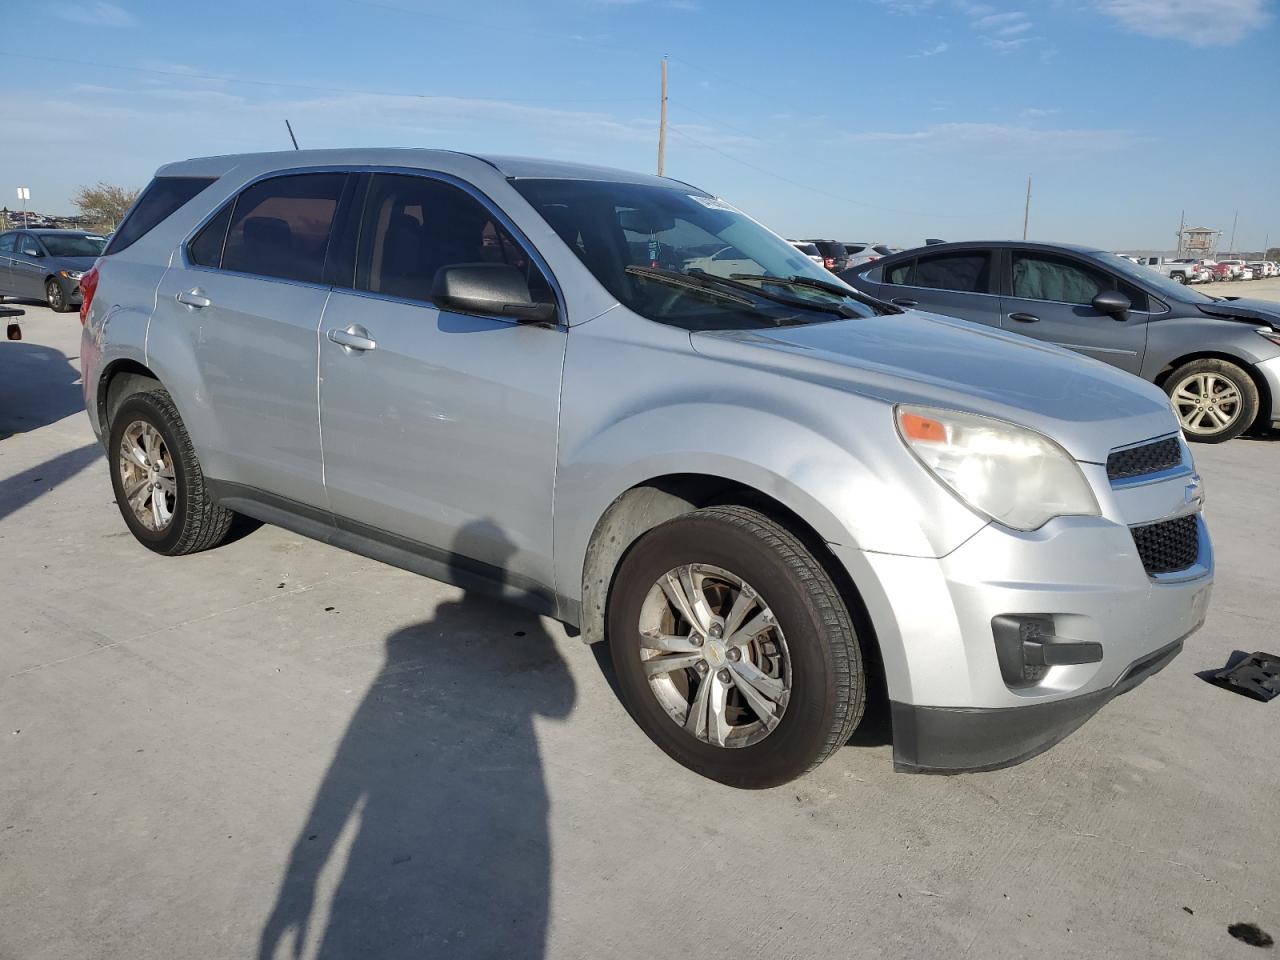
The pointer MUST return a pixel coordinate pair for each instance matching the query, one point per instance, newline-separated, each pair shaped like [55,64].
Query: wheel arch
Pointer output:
[119,380]
[1264,391]
[652,502]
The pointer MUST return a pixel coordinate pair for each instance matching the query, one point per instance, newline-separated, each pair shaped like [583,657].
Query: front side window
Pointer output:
[61,245]
[28,246]
[1038,276]
[678,256]
[280,227]
[414,226]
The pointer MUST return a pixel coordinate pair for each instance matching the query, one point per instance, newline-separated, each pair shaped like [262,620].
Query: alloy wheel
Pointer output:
[53,291]
[714,655]
[147,477]
[1207,403]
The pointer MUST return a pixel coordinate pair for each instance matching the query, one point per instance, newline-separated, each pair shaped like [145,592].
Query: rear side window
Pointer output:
[967,272]
[206,249]
[7,242]
[162,197]
[413,226]
[280,227]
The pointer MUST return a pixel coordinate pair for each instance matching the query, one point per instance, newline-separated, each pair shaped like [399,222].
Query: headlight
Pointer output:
[71,274]
[1011,474]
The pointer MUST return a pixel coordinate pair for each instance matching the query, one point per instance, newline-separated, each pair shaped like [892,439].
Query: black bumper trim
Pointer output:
[971,739]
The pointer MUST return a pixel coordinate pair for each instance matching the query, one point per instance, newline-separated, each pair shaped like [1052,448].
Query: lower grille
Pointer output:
[1168,546]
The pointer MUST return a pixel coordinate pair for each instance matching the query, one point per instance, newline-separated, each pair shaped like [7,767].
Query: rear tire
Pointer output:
[786,680]
[1215,400]
[159,486]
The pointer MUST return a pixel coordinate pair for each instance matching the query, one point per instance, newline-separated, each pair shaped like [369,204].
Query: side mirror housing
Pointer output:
[33,252]
[1113,303]
[491,290]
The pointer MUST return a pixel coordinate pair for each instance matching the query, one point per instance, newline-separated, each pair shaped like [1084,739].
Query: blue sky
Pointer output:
[875,120]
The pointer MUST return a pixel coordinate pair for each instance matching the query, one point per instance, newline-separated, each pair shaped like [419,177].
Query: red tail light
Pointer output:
[88,287]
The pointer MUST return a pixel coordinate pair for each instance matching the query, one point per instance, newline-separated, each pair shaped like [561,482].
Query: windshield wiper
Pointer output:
[687,282]
[824,286]
[839,309]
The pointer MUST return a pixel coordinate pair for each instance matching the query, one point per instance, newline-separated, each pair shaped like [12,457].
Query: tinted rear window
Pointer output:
[162,197]
[281,226]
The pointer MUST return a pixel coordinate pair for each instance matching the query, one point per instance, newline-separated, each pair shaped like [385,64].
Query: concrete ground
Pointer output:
[277,749]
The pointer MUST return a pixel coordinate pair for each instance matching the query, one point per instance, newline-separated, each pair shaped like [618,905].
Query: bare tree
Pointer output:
[105,204]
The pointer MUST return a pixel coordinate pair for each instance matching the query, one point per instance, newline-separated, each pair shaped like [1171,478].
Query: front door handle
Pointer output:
[355,337]
[194,298]
[904,302]
[1024,317]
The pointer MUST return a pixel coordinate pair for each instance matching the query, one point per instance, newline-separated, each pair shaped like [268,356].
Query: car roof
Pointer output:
[976,244]
[508,166]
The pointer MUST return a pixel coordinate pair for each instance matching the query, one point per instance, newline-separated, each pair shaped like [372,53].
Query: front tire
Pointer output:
[733,648]
[1215,400]
[56,297]
[159,486]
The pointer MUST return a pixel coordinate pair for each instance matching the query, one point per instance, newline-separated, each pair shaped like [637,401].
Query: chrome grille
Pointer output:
[1148,458]
[1168,546]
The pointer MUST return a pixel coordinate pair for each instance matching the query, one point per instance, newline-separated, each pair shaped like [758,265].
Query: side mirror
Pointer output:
[491,290]
[32,252]
[1113,303]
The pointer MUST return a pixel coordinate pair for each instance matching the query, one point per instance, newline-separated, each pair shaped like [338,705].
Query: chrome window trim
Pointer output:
[470,189]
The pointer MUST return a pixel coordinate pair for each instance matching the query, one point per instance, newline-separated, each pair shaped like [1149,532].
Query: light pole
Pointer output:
[24,194]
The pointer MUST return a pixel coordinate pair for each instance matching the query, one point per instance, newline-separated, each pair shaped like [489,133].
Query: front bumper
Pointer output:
[951,707]
[1270,371]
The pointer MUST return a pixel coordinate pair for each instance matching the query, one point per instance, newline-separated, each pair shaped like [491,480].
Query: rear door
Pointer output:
[440,429]
[1050,298]
[250,296]
[955,283]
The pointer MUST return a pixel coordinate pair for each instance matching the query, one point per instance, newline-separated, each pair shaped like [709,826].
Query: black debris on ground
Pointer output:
[1251,934]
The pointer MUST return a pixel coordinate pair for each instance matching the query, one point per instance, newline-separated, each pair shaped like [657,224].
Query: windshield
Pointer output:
[658,230]
[64,245]
[1166,286]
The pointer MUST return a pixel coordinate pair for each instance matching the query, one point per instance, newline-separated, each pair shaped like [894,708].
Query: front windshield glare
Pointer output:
[613,226]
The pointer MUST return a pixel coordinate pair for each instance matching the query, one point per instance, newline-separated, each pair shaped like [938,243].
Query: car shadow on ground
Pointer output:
[31,484]
[38,386]
[438,782]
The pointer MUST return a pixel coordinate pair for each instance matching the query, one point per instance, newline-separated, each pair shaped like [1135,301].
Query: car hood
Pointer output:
[1250,311]
[78,264]
[1085,405]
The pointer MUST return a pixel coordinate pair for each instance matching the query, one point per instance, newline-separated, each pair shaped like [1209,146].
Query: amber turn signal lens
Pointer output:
[916,427]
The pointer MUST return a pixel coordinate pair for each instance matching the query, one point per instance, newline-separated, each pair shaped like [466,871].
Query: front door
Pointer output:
[28,268]
[249,302]
[1051,297]
[8,247]
[439,427]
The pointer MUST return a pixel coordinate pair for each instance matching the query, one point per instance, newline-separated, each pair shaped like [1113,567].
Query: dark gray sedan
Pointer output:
[1218,358]
[47,264]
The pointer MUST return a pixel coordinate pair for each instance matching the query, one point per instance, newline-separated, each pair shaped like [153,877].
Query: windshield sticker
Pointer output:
[713,203]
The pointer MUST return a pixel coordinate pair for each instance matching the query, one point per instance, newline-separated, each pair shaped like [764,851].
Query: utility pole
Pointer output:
[662,121]
[1182,226]
[289,127]
[1231,250]
[1026,212]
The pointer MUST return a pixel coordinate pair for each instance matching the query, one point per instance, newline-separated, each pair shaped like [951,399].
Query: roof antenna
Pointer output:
[291,136]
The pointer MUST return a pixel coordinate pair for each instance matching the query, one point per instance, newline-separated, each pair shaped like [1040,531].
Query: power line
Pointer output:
[184,75]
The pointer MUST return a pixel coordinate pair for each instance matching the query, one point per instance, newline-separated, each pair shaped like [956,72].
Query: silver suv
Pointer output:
[772,495]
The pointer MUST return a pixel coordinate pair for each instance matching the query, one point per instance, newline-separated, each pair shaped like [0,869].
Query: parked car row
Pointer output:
[1189,270]
[768,492]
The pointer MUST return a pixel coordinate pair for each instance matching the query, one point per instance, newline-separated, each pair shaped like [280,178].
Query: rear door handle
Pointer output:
[355,337]
[904,302]
[194,298]
[1024,317]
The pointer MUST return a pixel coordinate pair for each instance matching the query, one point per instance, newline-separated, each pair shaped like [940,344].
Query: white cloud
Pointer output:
[97,13]
[1008,138]
[992,20]
[1013,29]
[1201,23]
[1032,113]
[933,51]
[1004,46]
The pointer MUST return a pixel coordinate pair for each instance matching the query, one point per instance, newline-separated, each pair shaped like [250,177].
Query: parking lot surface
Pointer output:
[277,745]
